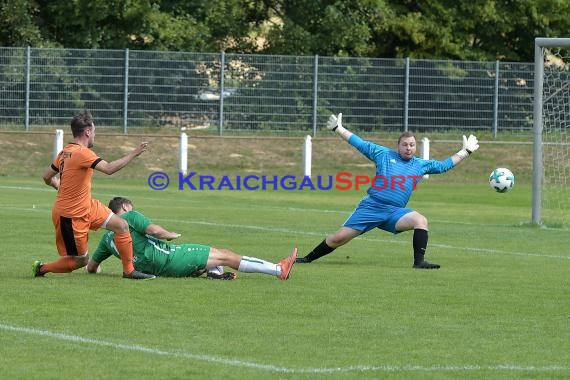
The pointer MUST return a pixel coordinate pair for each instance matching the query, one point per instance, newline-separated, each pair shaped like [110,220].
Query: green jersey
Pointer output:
[154,256]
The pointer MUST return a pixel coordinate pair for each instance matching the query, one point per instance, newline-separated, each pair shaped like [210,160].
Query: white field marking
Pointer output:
[275,368]
[390,241]
[505,226]
[27,188]
[33,208]
[34,188]
[312,233]
[99,194]
[294,209]
[309,233]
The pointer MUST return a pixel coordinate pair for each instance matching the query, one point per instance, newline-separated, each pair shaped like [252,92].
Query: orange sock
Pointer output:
[65,264]
[124,245]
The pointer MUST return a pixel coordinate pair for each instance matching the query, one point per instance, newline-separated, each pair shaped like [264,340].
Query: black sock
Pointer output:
[319,251]
[420,242]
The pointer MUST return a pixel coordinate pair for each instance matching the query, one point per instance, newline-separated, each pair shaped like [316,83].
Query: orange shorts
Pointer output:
[72,234]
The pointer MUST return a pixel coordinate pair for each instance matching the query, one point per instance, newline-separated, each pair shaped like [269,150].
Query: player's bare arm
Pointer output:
[50,178]
[114,166]
[160,233]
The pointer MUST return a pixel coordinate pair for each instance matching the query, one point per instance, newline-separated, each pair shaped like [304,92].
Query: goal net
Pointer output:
[551,161]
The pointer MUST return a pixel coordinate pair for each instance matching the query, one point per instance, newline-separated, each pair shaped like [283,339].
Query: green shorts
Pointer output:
[185,259]
[181,261]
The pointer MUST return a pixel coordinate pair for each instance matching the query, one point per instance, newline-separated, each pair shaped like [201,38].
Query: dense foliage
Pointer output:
[436,29]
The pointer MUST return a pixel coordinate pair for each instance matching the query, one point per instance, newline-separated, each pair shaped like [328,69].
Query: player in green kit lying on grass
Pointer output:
[152,255]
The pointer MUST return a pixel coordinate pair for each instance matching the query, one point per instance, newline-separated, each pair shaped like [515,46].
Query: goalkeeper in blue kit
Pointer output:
[384,206]
[153,255]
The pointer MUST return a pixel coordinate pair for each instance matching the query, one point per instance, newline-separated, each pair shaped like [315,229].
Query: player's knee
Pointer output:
[336,240]
[229,255]
[122,227]
[421,222]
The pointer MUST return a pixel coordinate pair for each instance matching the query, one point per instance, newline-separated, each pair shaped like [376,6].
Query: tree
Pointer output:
[324,27]
[475,29]
[435,29]
[115,24]
[17,23]
[231,25]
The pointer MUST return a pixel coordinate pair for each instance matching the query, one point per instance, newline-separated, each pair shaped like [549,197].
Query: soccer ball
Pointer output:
[502,180]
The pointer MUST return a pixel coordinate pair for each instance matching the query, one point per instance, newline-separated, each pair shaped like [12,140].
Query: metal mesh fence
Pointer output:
[260,94]
[13,86]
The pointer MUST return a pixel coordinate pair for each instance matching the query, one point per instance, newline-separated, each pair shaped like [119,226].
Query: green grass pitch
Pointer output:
[498,309]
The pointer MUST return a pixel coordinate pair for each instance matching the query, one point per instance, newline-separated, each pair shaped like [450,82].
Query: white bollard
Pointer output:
[307,156]
[58,142]
[183,159]
[425,152]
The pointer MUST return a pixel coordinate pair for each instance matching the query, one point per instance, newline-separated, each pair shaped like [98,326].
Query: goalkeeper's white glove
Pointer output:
[334,122]
[470,145]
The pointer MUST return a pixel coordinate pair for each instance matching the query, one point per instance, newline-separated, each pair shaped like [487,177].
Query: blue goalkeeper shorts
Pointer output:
[370,214]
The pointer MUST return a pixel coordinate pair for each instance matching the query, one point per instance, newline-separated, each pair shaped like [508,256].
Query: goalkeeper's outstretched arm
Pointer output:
[335,124]
[470,145]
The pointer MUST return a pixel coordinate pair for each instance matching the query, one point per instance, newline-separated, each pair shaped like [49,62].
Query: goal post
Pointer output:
[551,124]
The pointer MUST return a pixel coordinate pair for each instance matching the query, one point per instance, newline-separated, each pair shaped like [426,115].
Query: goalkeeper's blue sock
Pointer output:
[420,242]
[319,251]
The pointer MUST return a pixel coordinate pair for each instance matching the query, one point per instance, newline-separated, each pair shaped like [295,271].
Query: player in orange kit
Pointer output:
[75,212]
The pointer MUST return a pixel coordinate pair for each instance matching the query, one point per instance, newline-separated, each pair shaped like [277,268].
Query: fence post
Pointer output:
[425,152]
[496,101]
[221,89]
[183,158]
[307,156]
[126,93]
[406,92]
[58,142]
[27,105]
[315,93]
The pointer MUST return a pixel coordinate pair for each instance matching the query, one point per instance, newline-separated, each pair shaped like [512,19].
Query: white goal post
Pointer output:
[551,123]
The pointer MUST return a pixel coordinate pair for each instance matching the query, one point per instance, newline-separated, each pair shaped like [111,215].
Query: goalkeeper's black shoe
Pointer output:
[136,275]
[426,265]
[302,260]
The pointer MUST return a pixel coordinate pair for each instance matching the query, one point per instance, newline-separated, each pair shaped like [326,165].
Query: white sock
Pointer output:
[255,265]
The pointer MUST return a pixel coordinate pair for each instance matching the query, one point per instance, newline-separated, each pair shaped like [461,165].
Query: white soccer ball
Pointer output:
[502,180]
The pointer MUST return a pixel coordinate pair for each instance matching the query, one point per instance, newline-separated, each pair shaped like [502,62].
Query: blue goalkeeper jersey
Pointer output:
[396,178]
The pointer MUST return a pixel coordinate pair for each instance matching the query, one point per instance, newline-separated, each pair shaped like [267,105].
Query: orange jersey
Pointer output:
[75,165]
